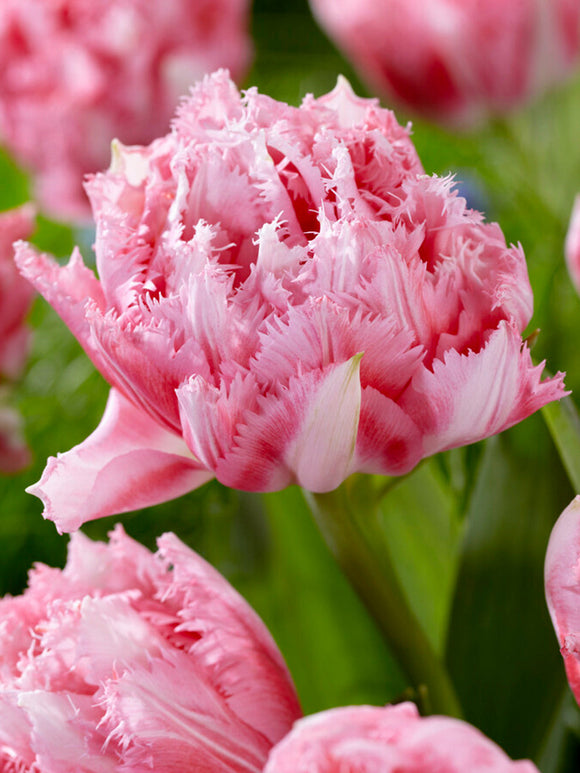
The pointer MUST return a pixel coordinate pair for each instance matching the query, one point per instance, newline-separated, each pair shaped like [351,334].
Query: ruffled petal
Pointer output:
[467,397]
[306,434]
[67,289]
[171,706]
[127,463]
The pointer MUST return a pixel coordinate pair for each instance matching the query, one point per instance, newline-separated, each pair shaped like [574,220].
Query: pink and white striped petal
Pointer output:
[562,581]
[66,288]
[304,434]
[127,463]
[467,397]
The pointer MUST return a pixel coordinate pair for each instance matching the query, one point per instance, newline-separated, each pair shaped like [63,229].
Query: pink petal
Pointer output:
[63,735]
[305,434]
[572,245]
[389,442]
[172,706]
[229,626]
[127,463]
[467,397]
[562,580]
[67,289]
[388,739]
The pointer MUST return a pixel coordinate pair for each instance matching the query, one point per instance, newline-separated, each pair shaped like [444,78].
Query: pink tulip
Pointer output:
[562,579]
[394,739]
[572,245]
[130,661]
[456,61]
[15,298]
[74,74]
[284,297]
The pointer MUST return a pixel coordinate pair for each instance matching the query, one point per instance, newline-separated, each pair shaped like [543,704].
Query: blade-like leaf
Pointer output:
[564,425]
[501,650]
[422,532]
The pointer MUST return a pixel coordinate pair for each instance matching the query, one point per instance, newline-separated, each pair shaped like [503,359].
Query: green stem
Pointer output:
[352,535]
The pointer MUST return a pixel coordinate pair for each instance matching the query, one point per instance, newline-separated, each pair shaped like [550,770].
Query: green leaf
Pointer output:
[502,652]
[564,424]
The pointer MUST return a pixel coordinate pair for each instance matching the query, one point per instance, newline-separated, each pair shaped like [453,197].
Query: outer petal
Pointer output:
[572,245]
[173,708]
[127,463]
[67,289]
[562,579]
[229,639]
[305,435]
[369,739]
[467,397]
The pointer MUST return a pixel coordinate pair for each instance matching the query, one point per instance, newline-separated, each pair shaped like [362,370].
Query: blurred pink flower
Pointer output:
[15,298]
[130,661]
[572,245]
[562,579]
[74,74]
[393,739]
[456,61]
[284,297]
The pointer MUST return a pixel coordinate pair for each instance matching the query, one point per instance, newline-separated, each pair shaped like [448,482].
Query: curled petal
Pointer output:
[66,288]
[127,463]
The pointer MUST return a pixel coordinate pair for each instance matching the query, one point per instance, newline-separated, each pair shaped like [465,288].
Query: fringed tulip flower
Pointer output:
[572,245]
[130,661]
[15,298]
[284,297]
[562,580]
[456,61]
[74,74]
[393,739]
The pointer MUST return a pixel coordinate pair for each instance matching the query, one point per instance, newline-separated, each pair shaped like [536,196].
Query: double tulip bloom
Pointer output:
[75,74]
[131,661]
[284,296]
[456,61]
[128,661]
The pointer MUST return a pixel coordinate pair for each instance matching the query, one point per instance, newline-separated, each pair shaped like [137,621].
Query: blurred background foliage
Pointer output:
[467,530]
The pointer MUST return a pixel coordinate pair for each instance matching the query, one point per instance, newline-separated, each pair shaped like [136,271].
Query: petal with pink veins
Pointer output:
[66,288]
[127,463]
[306,434]
[467,397]
[389,442]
